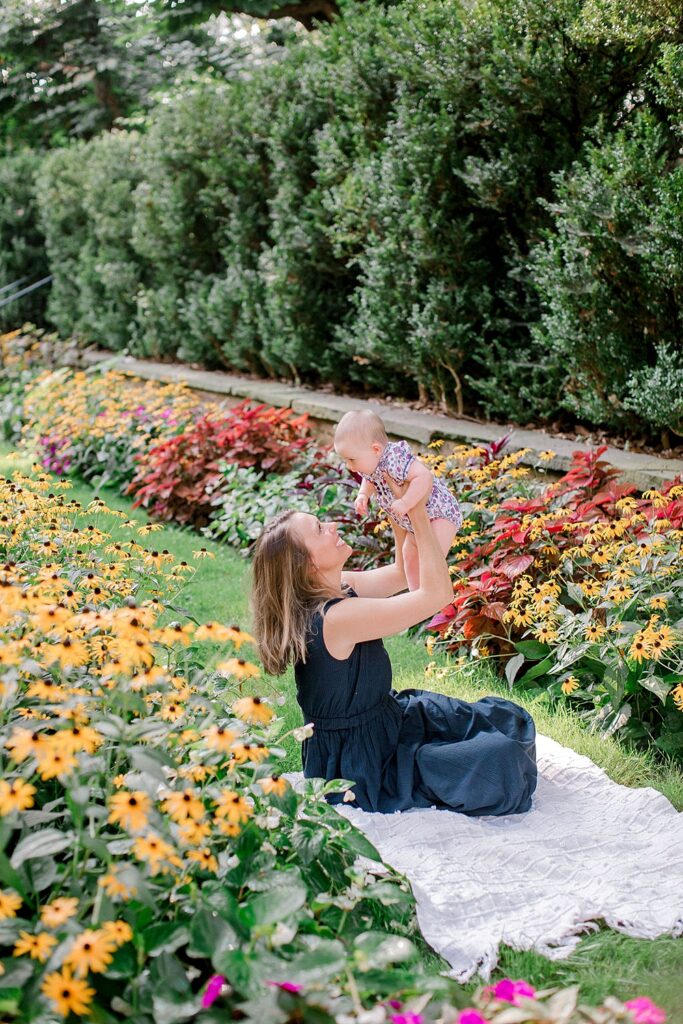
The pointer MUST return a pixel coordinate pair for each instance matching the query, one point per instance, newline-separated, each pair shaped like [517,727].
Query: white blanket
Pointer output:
[588,849]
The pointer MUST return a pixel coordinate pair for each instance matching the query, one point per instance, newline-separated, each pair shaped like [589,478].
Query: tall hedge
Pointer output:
[387,207]
[22,244]
[84,195]
[610,273]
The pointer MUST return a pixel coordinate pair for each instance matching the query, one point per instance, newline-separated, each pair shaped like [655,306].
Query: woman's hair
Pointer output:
[284,595]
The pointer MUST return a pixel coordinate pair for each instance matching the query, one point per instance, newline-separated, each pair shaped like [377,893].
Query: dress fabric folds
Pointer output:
[411,748]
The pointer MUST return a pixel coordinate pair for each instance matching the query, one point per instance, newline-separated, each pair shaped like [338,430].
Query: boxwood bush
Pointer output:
[393,206]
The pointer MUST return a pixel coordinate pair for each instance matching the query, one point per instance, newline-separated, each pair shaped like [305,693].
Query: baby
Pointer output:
[360,440]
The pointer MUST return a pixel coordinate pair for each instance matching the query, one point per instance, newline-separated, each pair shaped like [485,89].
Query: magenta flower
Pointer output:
[406,1018]
[471,1016]
[213,990]
[395,1004]
[287,986]
[510,991]
[644,1011]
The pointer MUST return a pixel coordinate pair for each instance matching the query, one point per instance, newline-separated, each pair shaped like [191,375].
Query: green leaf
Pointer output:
[377,949]
[389,894]
[355,841]
[164,938]
[124,963]
[539,669]
[287,895]
[576,593]
[10,877]
[569,657]
[170,1009]
[241,970]
[657,685]
[16,974]
[48,842]
[308,842]
[210,934]
[532,649]
[43,872]
[321,963]
[150,762]
[512,668]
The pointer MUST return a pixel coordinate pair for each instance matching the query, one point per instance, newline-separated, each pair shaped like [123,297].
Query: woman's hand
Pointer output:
[398,490]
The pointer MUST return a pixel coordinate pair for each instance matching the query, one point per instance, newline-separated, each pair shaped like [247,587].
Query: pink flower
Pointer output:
[213,990]
[395,1004]
[286,986]
[406,1018]
[644,1011]
[471,1016]
[510,991]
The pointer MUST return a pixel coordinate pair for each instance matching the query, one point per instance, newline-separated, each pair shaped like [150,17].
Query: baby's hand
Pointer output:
[361,504]
[399,507]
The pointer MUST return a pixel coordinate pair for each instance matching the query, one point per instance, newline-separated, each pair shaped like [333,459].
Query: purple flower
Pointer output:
[286,986]
[510,991]
[395,1004]
[213,990]
[471,1016]
[644,1011]
[406,1018]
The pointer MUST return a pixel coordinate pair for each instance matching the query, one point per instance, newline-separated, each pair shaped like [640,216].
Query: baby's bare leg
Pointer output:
[445,532]
[411,561]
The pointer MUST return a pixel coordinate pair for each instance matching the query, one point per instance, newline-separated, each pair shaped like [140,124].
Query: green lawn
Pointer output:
[604,963]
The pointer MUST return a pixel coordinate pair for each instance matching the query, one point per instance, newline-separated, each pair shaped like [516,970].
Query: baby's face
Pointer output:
[359,456]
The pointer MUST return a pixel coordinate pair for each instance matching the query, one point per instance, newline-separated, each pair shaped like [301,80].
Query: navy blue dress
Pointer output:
[411,748]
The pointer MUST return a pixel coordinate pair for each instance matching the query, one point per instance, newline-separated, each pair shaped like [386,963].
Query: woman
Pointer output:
[407,749]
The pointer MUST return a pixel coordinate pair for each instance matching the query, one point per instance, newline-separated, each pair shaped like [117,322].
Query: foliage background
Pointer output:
[486,193]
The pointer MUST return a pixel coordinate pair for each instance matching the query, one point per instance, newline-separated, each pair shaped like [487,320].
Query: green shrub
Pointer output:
[86,213]
[22,245]
[610,274]
[363,210]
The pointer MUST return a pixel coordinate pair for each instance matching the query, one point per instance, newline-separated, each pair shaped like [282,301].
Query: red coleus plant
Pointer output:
[180,478]
[587,493]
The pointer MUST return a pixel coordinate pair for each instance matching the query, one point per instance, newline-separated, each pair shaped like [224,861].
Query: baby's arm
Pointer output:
[365,491]
[420,481]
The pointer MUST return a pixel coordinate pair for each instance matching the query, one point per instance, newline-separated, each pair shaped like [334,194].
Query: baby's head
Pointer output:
[360,439]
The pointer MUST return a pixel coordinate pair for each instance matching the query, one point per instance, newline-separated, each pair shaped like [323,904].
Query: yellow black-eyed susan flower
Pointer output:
[68,994]
[37,947]
[253,710]
[15,796]
[92,950]
[54,914]
[130,810]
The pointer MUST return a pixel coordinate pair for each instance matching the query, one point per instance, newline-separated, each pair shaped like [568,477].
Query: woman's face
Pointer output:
[326,548]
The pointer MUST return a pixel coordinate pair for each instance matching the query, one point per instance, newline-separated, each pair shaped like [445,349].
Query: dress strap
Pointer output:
[328,604]
[350,592]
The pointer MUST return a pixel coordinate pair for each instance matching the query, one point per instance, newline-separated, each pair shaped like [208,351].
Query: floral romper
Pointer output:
[395,462]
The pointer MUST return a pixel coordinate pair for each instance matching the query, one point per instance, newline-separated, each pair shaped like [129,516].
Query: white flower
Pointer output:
[304,732]
[349,796]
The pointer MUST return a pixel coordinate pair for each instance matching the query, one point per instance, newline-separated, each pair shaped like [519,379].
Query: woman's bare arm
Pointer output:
[385,581]
[371,618]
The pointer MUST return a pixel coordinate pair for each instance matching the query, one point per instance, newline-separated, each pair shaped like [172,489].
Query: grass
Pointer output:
[604,963]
